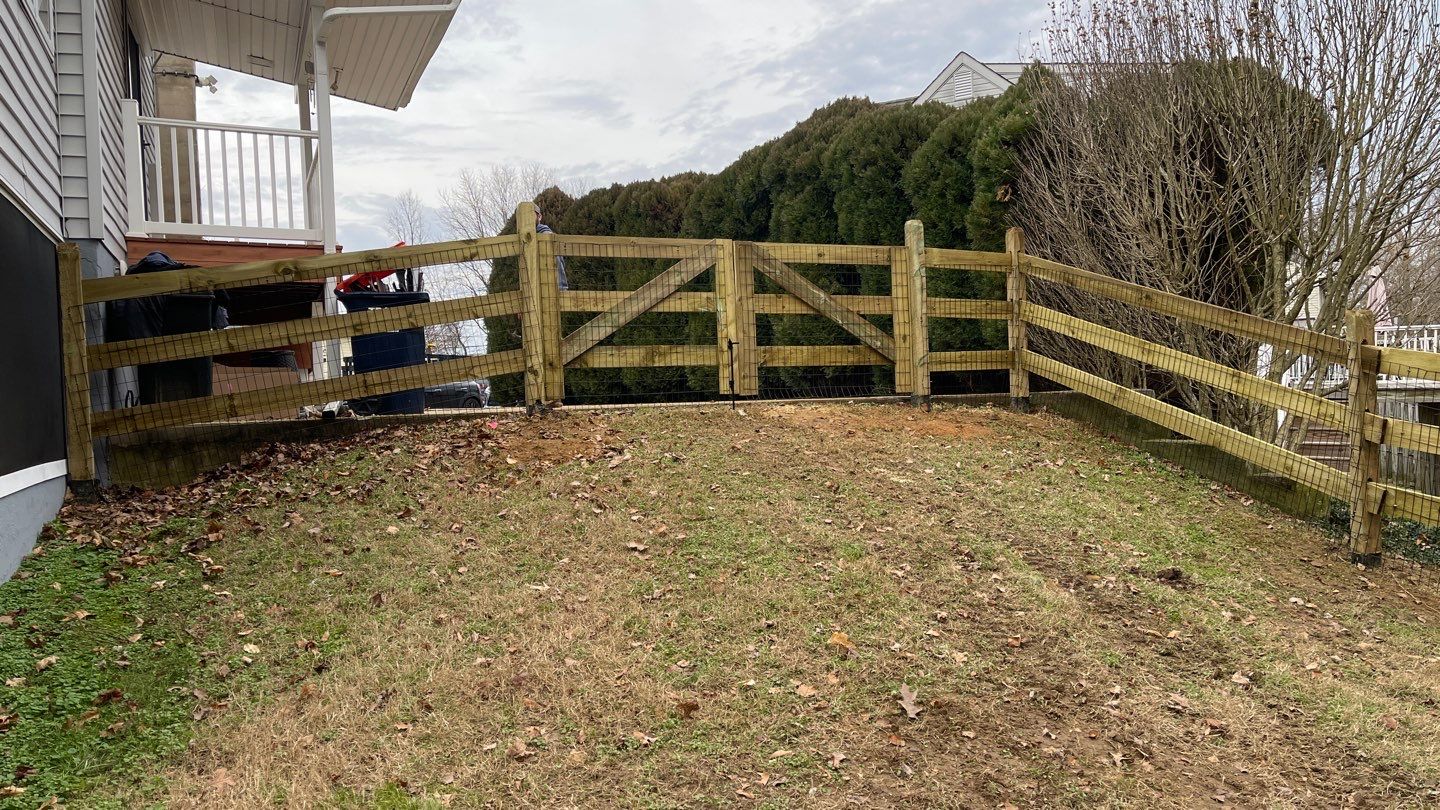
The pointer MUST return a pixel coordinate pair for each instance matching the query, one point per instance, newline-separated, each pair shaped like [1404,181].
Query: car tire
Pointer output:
[470,402]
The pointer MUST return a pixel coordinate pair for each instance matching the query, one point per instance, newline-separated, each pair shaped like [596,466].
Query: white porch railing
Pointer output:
[1425,338]
[189,178]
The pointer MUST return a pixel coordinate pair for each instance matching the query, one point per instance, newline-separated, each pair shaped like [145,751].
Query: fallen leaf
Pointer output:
[221,779]
[687,708]
[907,702]
[251,649]
[1240,678]
[10,791]
[806,690]
[46,662]
[108,696]
[837,758]
[842,640]
[518,751]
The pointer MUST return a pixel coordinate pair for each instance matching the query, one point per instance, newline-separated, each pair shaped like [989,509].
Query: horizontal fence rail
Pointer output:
[877,304]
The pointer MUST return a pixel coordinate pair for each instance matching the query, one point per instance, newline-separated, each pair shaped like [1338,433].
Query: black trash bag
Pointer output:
[159,315]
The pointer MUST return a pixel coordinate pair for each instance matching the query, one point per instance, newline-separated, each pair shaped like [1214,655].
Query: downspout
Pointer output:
[325,153]
[322,94]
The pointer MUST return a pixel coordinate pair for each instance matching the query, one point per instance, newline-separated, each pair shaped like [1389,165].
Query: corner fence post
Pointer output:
[79,445]
[1016,293]
[532,319]
[919,321]
[1363,399]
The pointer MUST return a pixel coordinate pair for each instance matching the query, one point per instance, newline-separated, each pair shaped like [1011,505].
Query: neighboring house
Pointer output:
[966,79]
[84,159]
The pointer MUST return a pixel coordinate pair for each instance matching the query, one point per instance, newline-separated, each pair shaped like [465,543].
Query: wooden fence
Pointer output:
[546,353]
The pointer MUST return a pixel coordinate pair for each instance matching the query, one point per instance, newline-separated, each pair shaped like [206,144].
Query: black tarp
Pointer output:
[32,416]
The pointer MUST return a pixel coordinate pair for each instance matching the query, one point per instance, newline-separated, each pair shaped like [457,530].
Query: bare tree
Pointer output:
[481,204]
[1265,156]
[408,220]
[1412,285]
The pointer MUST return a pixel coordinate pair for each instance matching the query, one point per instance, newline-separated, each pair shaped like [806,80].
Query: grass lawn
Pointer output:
[783,606]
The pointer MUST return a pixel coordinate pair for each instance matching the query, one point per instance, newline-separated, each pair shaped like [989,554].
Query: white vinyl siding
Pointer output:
[114,86]
[966,86]
[70,91]
[29,162]
[111,59]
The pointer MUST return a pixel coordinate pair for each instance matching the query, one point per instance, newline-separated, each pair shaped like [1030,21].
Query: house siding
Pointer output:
[29,158]
[108,221]
[32,445]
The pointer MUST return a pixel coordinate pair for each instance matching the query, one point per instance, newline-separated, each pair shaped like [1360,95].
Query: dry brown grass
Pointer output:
[634,609]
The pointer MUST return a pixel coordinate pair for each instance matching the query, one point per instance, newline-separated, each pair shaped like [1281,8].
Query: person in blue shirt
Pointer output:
[541,227]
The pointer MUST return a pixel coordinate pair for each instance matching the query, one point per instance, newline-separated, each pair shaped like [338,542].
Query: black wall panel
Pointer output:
[32,420]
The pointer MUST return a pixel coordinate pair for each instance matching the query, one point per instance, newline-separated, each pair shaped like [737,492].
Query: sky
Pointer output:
[616,90]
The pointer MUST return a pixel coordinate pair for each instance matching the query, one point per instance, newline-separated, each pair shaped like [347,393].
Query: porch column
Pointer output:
[325,156]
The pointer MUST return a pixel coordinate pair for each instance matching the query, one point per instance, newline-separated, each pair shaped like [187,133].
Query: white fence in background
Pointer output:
[189,178]
[1425,338]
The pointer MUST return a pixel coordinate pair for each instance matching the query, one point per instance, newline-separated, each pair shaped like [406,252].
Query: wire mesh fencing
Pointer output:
[185,368]
[1318,424]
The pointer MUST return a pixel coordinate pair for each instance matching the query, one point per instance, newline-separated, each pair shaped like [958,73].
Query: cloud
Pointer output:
[656,88]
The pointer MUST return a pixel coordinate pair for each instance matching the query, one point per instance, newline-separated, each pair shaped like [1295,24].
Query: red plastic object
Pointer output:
[366,281]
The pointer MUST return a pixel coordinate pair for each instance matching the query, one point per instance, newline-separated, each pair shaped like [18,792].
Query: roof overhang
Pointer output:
[375,60]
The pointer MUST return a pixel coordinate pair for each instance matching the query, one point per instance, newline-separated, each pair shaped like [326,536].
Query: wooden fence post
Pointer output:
[901,318]
[1365,520]
[726,328]
[919,357]
[550,334]
[1016,293]
[532,319]
[742,314]
[80,447]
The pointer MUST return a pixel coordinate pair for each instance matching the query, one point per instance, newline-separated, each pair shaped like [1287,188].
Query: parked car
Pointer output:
[463,394]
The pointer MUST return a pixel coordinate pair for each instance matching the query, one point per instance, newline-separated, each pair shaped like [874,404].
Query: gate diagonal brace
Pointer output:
[642,300]
[822,302]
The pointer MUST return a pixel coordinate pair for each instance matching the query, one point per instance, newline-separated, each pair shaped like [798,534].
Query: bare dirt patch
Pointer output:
[848,420]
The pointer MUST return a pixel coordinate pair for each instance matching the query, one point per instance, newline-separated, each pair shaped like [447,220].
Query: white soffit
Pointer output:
[375,60]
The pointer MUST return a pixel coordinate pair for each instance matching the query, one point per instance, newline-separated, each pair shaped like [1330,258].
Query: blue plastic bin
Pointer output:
[386,350]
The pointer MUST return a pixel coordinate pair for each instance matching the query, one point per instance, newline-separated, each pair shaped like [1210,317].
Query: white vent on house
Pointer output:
[962,86]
